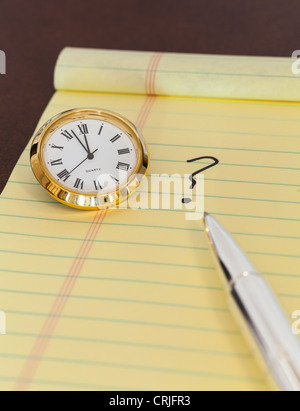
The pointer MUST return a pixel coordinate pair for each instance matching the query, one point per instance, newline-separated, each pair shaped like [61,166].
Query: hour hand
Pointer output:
[83,128]
[90,155]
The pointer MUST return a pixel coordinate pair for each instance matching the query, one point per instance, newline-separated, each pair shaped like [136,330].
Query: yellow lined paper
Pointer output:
[147,310]
[192,75]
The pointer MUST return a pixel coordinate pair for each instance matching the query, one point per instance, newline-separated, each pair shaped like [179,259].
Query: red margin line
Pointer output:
[155,67]
[41,343]
[148,74]
[40,346]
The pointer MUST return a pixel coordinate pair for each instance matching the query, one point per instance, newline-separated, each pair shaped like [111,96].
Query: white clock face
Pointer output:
[90,156]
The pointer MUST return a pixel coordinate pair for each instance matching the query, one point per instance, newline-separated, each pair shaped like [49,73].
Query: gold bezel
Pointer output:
[88,201]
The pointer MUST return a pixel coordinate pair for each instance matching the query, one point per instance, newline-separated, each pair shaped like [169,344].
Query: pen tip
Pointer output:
[225,248]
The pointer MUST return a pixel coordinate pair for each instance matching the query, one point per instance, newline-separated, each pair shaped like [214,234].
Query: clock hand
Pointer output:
[87,147]
[87,150]
[87,158]
[87,144]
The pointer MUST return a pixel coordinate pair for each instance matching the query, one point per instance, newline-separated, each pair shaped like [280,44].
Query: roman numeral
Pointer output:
[79,183]
[64,175]
[115,138]
[57,162]
[68,135]
[123,166]
[97,185]
[83,129]
[58,147]
[123,151]
[101,128]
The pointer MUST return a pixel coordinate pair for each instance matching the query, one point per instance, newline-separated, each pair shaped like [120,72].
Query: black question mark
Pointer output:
[192,177]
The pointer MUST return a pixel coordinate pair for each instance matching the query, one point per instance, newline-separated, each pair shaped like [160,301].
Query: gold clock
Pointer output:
[89,158]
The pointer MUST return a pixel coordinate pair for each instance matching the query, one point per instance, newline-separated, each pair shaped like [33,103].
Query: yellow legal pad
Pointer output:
[130,299]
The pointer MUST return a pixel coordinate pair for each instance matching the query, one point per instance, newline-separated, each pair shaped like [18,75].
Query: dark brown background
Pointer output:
[33,32]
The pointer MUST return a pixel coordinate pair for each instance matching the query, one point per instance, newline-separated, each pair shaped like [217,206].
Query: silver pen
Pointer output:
[258,312]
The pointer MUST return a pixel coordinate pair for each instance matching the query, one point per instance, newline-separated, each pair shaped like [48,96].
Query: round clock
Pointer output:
[89,158]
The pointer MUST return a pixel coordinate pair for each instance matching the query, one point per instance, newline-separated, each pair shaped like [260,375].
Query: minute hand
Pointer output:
[85,148]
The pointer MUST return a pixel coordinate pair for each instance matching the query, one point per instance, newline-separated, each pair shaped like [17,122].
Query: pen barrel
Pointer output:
[264,322]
